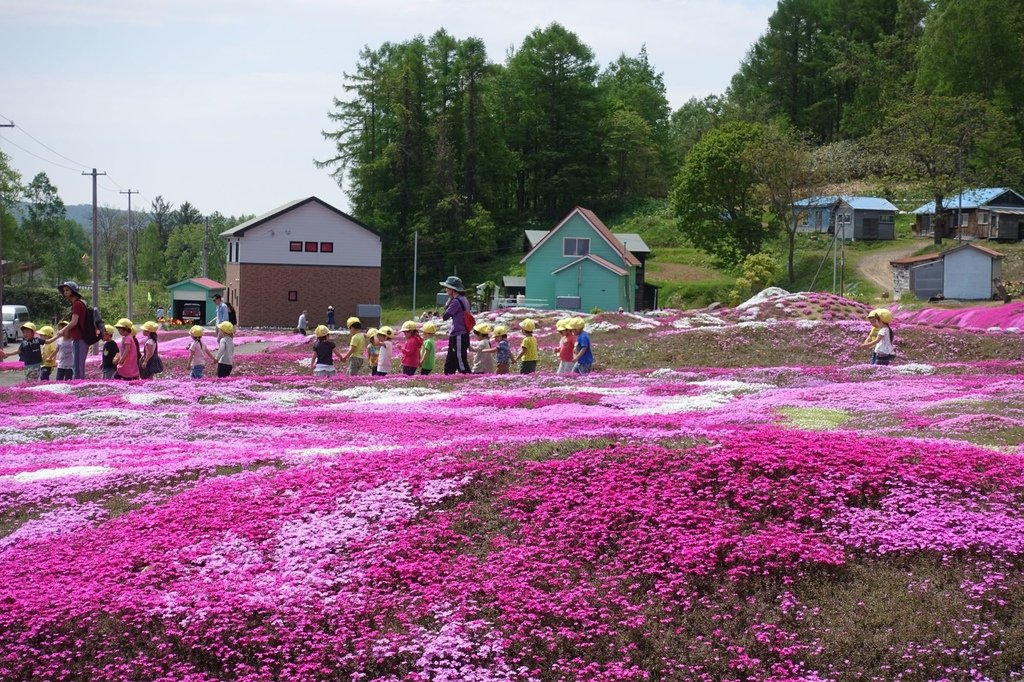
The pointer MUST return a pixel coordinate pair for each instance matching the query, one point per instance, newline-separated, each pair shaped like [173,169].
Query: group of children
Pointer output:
[43,349]
[491,351]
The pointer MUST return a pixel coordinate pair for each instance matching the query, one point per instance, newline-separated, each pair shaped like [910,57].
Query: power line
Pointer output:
[31,153]
[45,146]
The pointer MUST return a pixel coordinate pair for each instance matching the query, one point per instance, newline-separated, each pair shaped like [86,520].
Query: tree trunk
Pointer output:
[792,248]
[939,220]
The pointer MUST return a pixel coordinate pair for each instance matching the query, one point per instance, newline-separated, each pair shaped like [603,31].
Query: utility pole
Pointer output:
[415,266]
[131,251]
[95,244]
[206,245]
[2,211]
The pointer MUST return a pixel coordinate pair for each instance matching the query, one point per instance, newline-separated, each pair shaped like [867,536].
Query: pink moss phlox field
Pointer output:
[624,526]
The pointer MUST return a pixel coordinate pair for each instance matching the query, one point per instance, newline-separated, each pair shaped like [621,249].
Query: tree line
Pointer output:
[42,246]
[432,137]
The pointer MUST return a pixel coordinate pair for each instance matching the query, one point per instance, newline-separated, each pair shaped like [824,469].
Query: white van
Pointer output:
[14,316]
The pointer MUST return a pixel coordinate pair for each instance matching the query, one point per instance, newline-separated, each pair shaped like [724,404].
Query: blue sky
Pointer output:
[221,102]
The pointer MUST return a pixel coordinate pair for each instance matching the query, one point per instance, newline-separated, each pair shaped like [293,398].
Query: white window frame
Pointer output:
[983,217]
[575,241]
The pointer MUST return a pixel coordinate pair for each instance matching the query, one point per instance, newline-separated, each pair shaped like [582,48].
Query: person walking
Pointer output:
[300,326]
[330,318]
[220,308]
[73,332]
[457,359]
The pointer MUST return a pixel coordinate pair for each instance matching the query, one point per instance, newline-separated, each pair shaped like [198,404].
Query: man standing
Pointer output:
[159,313]
[221,308]
[301,324]
[330,317]
[73,332]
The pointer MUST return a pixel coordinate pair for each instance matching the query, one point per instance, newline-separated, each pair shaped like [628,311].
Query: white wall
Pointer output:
[268,243]
[967,275]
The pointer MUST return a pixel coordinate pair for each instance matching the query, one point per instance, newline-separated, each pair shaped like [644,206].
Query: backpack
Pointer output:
[91,326]
[468,318]
[154,365]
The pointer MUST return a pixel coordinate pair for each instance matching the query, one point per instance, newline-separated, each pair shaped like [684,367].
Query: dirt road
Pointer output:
[874,267]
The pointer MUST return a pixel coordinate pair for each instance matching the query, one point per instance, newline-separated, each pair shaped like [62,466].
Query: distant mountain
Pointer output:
[81,214]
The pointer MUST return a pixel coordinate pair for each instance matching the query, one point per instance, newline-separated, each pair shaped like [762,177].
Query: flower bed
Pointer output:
[778,522]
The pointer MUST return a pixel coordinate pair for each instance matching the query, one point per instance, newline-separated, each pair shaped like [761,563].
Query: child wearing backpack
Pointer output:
[127,360]
[502,350]
[30,352]
[384,336]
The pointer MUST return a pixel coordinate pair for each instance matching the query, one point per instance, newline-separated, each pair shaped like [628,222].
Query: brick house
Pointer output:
[305,255]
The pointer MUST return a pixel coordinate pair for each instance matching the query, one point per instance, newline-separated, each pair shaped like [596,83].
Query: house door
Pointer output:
[870,228]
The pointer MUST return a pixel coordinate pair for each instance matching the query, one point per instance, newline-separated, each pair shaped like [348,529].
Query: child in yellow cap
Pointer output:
[356,344]
[107,363]
[225,349]
[527,356]
[65,354]
[324,352]
[411,348]
[198,353]
[29,351]
[483,355]
[883,351]
[49,350]
[428,351]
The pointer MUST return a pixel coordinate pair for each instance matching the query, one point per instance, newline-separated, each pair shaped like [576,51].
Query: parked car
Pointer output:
[13,317]
[190,312]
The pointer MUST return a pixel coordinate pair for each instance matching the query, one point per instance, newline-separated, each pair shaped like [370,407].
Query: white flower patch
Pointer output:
[372,394]
[913,368]
[683,323]
[603,327]
[642,325]
[346,450]
[763,297]
[721,393]
[143,398]
[52,387]
[47,474]
[664,371]
[708,320]
[807,324]
[730,386]
[284,398]
[756,324]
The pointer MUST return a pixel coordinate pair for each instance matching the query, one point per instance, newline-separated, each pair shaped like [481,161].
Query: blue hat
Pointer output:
[70,285]
[455,283]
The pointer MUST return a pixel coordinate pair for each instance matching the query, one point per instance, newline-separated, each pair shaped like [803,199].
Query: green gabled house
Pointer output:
[580,265]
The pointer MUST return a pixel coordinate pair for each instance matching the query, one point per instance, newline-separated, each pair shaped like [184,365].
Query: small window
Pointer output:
[295,246]
[311,247]
[983,217]
[964,220]
[326,247]
[573,246]
[293,296]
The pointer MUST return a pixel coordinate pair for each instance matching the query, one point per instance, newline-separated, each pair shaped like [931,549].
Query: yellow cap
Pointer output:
[429,328]
[883,314]
[109,328]
[29,325]
[321,331]
[196,331]
[501,330]
[125,323]
[386,332]
[371,332]
[409,326]
[482,328]
[227,328]
[46,331]
[528,325]
[150,326]
[577,323]
[351,321]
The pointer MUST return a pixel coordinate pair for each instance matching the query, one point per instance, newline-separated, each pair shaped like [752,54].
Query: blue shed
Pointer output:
[854,218]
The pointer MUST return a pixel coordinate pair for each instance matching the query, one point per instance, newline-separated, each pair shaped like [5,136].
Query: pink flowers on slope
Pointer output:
[634,526]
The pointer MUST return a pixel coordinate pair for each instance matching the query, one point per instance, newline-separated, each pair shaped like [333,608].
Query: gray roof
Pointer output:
[239,230]
[633,242]
[968,199]
[513,281]
[856,203]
